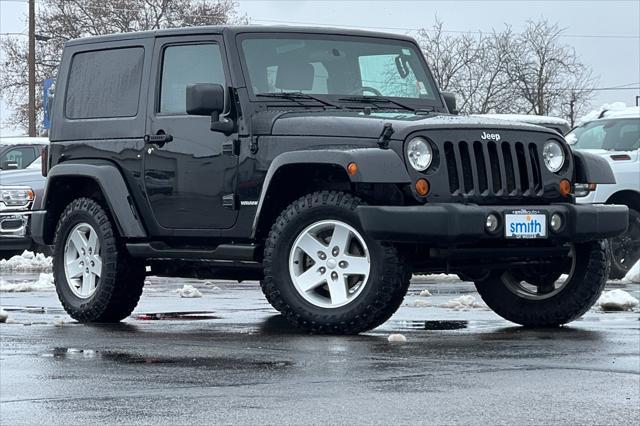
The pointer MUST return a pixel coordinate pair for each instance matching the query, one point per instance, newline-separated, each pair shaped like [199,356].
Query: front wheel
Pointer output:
[324,274]
[535,300]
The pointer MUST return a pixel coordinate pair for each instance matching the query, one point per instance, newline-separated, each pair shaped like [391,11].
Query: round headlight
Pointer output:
[419,153]
[553,155]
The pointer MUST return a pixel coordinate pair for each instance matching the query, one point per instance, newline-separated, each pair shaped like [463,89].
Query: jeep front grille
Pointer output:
[493,168]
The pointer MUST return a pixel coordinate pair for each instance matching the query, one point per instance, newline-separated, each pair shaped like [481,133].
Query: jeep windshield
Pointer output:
[345,70]
[610,134]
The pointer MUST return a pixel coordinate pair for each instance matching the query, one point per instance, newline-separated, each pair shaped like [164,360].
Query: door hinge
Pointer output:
[230,201]
[231,147]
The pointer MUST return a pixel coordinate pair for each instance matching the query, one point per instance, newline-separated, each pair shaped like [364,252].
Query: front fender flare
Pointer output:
[592,168]
[375,165]
[114,190]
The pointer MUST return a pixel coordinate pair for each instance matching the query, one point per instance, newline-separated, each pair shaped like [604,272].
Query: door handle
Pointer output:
[158,139]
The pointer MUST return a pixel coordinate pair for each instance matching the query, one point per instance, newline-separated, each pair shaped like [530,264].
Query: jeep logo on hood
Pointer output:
[490,136]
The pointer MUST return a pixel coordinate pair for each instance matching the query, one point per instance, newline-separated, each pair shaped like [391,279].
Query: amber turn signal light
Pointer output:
[352,169]
[422,187]
[565,187]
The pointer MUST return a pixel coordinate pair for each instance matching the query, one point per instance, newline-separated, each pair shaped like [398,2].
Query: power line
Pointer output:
[365,27]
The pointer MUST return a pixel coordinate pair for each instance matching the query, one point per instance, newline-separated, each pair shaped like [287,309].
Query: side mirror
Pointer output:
[9,165]
[208,99]
[205,99]
[450,101]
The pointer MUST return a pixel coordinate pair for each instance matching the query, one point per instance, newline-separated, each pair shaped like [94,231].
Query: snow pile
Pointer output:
[3,315]
[28,261]
[397,338]
[633,276]
[44,282]
[189,291]
[212,286]
[425,293]
[421,304]
[463,302]
[617,300]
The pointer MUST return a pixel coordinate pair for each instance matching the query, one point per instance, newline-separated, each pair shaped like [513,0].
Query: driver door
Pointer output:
[186,178]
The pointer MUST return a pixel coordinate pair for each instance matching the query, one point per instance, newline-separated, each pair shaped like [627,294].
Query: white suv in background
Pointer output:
[616,136]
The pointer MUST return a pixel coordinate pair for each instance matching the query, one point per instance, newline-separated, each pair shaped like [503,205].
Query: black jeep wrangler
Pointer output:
[325,163]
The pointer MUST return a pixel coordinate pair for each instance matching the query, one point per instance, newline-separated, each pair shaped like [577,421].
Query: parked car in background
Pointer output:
[560,125]
[19,152]
[615,135]
[20,192]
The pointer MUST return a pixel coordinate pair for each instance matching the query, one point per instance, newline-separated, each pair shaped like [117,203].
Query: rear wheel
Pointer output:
[625,248]
[546,300]
[95,279]
[324,274]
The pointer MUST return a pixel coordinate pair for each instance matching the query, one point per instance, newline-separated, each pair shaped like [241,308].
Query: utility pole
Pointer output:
[32,68]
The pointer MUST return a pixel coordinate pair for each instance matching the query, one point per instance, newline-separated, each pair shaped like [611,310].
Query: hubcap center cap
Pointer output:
[332,263]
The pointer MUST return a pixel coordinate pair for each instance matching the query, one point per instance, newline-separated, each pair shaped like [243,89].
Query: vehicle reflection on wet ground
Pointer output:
[228,357]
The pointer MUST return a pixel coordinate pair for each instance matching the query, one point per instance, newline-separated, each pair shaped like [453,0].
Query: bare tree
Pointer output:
[471,65]
[547,75]
[504,72]
[61,20]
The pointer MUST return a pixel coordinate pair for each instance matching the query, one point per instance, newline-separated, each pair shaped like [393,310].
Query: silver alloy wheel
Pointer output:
[532,291]
[82,261]
[329,264]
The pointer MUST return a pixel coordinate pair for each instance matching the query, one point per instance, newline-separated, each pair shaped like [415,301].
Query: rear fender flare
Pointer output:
[114,190]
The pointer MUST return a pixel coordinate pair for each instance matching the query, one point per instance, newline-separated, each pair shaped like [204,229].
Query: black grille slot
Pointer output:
[522,167]
[508,167]
[467,173]
[452,168]
[482,168]
[494,164]
[535,165]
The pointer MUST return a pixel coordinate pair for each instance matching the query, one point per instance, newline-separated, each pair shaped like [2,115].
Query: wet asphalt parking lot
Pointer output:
[229,358]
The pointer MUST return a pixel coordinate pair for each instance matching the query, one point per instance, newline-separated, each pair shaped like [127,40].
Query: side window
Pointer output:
[105,83]
[187,64]
[21,156]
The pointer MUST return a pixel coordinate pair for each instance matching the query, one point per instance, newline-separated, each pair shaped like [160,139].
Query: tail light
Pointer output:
[44,156]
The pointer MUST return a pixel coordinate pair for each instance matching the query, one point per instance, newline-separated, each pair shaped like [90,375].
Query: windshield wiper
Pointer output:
[297,95]
[376,99]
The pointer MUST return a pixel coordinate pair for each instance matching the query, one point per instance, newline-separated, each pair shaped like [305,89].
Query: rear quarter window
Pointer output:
[105,83]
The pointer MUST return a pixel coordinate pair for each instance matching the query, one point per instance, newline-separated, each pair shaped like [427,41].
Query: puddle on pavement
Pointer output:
[186,316]
[185,361]
[430,325]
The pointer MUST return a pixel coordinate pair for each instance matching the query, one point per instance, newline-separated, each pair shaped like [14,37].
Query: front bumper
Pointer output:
[446,224]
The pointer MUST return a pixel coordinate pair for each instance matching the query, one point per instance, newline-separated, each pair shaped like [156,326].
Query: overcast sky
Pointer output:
[605,33]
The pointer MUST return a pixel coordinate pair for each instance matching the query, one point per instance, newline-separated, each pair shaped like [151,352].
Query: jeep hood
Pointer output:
[336,123]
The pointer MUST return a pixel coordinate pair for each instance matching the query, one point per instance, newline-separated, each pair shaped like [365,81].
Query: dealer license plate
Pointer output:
[525,225]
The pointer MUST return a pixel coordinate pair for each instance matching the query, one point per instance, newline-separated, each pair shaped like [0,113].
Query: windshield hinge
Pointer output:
[253,146]
[385,136]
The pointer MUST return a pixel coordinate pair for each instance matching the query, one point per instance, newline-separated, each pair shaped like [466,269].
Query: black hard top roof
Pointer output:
[232,30]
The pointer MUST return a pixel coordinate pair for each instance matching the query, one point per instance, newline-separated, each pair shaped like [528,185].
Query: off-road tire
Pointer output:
[122,279]
[576,298]
[382,295]
[619,271]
